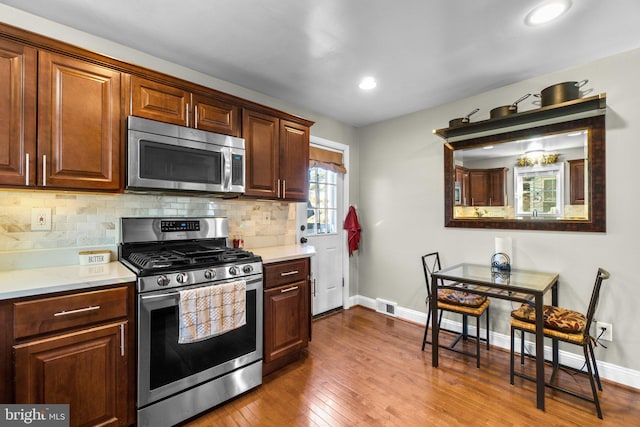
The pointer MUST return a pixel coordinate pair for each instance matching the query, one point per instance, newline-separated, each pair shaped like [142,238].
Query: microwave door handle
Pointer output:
[226,167]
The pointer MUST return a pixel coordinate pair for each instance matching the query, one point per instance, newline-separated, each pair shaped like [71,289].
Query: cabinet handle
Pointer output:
[80,310]
[293,288]
[44,170]
[278,196]
[187,110]
[314,287]
[289,273]
[26,169]
[284,188]
[122,339]
[195,116]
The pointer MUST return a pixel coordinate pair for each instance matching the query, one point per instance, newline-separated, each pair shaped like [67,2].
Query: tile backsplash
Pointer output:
[92,220]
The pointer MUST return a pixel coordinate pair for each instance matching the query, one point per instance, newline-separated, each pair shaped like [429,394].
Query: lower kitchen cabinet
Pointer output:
[77,349]
[287,312]
[86,369]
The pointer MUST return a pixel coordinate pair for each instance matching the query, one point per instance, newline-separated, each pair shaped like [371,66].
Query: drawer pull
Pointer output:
[289,273]
[293,288]
[80,310]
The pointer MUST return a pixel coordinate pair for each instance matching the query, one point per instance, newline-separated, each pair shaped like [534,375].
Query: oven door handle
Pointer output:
[170,294]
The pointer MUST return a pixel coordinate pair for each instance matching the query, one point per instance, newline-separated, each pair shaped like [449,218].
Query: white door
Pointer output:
[324,232]
[323,219]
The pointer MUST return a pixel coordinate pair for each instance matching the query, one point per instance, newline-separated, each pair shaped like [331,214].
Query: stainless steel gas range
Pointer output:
[172,256]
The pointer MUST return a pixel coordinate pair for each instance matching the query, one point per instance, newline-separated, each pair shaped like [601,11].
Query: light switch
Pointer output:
[40,219]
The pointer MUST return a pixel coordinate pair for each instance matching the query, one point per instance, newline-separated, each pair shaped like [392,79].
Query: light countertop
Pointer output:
[284,253]
[37,281]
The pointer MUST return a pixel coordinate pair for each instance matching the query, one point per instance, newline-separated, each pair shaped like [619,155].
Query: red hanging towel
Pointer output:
[352,225]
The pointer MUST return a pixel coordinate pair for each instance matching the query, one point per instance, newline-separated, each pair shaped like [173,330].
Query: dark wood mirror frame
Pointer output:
[596,176]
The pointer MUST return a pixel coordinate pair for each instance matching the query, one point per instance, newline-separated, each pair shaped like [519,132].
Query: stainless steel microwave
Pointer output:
[167,157]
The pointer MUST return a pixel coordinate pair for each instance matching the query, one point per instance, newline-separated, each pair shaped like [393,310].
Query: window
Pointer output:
[322,215]
[539,191]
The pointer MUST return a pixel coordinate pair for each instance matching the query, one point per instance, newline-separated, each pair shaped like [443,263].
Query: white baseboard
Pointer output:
[609,371]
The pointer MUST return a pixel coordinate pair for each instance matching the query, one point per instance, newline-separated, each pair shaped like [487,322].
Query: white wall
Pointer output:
[402,209]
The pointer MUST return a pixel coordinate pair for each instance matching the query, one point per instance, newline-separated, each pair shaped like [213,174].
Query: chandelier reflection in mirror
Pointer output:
[537,158]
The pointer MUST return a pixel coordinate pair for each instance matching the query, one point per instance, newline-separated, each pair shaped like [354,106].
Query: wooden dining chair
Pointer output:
[461,302]
[564,325]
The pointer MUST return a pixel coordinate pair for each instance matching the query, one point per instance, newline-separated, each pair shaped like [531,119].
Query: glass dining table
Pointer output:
[525,286]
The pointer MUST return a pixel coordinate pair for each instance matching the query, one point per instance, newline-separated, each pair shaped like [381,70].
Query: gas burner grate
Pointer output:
[157,259]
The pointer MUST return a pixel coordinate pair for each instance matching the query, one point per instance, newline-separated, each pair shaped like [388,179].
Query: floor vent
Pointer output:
[386,307]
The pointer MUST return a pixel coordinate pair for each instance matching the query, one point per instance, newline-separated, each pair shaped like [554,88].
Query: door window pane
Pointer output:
[323,200]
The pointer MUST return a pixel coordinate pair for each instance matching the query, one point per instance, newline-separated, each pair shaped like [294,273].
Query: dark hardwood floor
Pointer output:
[366,369]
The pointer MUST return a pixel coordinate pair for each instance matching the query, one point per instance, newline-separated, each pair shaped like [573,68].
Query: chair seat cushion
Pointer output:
[452,296]
[557,318]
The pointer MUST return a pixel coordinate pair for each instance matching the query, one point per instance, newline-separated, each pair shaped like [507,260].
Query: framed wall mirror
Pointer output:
[549,177]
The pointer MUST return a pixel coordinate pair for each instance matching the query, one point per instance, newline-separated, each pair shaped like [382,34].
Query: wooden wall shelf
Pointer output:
[570,110]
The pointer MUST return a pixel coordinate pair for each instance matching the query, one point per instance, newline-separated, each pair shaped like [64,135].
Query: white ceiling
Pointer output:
[312,53]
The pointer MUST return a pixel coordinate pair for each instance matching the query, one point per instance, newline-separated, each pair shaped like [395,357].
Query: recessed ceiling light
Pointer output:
[367,83]
[547,11]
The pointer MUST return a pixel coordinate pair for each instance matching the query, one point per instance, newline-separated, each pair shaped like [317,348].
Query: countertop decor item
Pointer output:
[94,257]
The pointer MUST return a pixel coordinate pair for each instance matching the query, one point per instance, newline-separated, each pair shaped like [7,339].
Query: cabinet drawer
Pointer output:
[78,310]
[285,272]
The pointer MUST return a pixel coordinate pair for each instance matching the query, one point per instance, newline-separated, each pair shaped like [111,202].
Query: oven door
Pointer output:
[165,367]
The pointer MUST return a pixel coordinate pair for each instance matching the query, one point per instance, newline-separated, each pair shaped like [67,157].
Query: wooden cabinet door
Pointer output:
[285,320]
[294,161]
[157,101]
[18,83]
[215,115]
[79,124]
[86,369]
[576,182]
[497,188]
[261,134]
[462,180]
[478,188]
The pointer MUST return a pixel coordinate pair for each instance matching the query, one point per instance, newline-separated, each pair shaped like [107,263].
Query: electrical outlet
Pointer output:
[608,331]
[40,219]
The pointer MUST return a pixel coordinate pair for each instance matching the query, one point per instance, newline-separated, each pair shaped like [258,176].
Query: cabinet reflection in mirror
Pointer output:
[548,177]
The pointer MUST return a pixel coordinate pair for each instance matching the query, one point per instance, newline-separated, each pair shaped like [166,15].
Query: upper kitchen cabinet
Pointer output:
[277,157]
[171,104]
[294,161]
[59,121]
[576,182]
[18,80]
[79,124]
[480,187]
[157,101]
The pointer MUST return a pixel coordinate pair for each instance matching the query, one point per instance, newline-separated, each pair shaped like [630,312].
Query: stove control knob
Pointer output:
[182,278]
[233,271]
[247,269]
[210,274]
[163,280]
